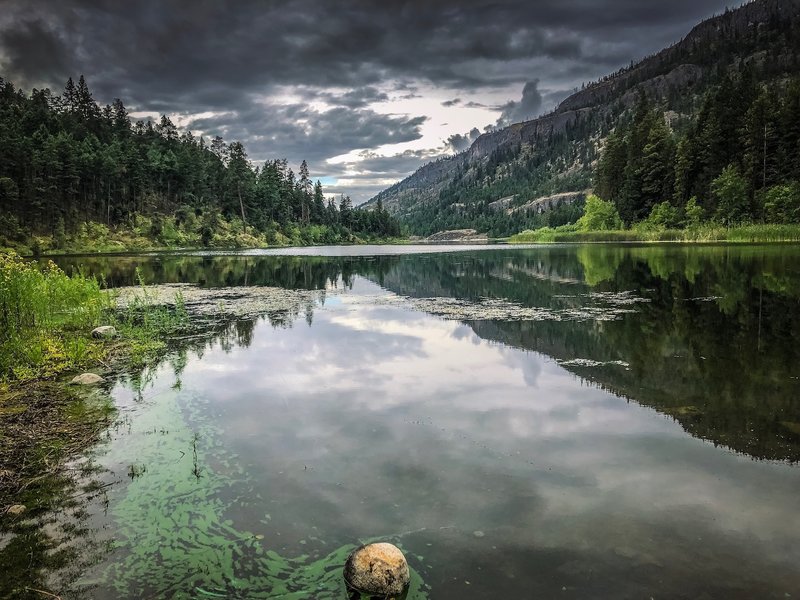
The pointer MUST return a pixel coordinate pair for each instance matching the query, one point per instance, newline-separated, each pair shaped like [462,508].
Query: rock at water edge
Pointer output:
[87,379]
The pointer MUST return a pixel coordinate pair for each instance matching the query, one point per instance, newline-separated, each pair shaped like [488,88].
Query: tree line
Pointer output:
[66,161]
[737,161]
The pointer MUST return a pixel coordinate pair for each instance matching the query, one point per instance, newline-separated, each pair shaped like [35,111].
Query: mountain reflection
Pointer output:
[713,346]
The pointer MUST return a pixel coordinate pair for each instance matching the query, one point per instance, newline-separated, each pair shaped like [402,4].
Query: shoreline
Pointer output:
[709,234]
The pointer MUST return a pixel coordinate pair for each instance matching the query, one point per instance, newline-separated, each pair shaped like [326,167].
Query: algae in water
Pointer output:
[173,537]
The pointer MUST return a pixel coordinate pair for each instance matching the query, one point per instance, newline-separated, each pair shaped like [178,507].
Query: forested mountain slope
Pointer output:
[734,58]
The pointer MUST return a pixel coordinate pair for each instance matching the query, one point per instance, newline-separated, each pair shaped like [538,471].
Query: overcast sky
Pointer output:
[365,90]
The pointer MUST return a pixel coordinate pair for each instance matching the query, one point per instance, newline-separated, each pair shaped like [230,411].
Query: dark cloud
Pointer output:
[241,62]
[458,142]
[356,98]
[525,109]
[34,52]
[304,133]
[392,166]
[452,102]
[170,48]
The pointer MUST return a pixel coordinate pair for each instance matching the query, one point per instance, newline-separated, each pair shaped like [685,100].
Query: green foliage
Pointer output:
[782,203]
[693,214]
[763,233]
[663,216]
[75,177]
[44,318]
[541,235]
[707,232]
[599,215]
[741,144]
[729,191]
[637,168]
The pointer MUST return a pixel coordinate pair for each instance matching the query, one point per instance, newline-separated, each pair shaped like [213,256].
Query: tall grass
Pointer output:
[705,233]
[46,318]
[41,309]
[144,323]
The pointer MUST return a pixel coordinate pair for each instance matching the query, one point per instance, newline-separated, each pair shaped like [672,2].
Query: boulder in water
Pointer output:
[377,570]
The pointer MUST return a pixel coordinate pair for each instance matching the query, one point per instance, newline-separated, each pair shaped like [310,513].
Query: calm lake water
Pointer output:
[591,421]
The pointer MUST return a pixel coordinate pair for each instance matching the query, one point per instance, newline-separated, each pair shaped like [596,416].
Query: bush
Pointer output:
[599,215]
[693,214]
[663,216]
[730,192]
[782,204]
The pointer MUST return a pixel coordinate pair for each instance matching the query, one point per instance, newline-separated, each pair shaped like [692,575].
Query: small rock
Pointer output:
[104,332]
[16,510]
[377,570]
[87,379]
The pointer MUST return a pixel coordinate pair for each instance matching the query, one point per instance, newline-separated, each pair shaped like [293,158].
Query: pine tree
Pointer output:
[304,189]
[239,177]
[658,175]
[611,169]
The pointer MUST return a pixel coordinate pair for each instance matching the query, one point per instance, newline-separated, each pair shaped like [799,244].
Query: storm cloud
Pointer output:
[527,108]
[318,80]
[459,142]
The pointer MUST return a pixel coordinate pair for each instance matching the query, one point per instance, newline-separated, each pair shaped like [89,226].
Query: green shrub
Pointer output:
[693,214]
[730,193]
[663,216]
[599,215]
[782,204]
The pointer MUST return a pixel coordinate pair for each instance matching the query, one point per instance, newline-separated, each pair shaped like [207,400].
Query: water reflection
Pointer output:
[498,471]
[502,454]
[713,347]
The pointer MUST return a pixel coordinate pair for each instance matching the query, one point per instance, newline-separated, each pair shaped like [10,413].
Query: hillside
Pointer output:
[559,152]
[76,176]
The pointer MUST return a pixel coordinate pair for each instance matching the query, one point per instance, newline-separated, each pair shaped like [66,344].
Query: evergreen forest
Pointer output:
[737,162]
[75,175]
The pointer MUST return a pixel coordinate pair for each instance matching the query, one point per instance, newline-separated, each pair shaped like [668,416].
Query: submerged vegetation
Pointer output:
[44,424]
[75,176]
[46,321]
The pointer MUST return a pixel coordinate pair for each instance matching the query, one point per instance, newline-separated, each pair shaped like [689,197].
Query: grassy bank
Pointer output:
[703,233]
[46,320]
[164,232]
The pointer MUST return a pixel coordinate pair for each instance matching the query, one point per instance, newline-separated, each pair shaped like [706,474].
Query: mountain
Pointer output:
[559,152]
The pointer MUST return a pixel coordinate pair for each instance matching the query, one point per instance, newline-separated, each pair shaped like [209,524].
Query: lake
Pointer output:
[589,421]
